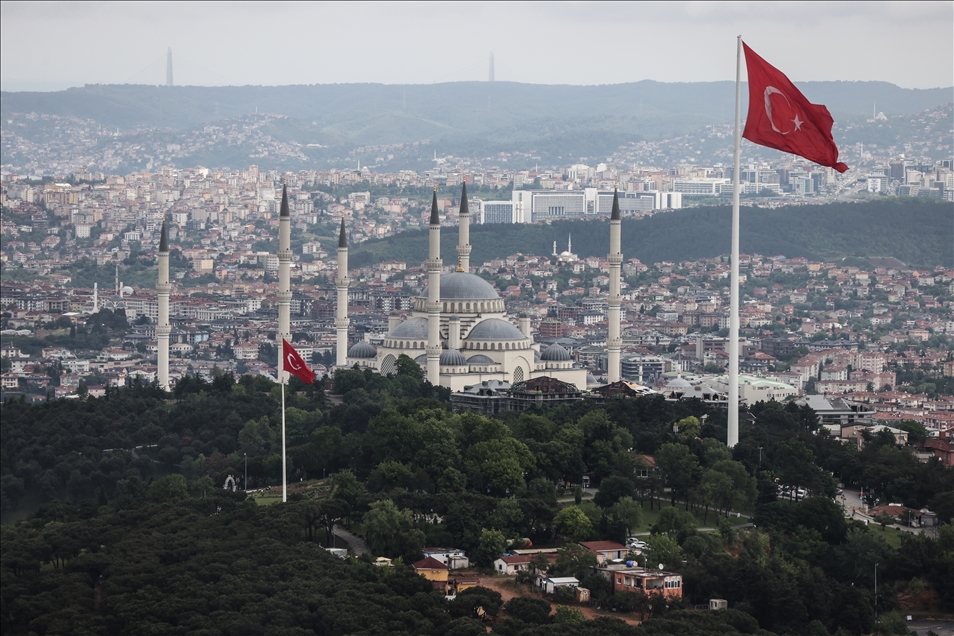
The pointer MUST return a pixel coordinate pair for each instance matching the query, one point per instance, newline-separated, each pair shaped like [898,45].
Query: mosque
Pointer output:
[460,331]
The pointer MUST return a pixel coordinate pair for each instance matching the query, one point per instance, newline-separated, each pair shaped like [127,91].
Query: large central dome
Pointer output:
[464,286]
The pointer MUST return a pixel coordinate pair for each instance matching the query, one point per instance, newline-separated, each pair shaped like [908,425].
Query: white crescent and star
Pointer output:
[769,91]
[291,362]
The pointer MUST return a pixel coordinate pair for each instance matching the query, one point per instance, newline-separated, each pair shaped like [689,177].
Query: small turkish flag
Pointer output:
[781,117]
[294,364]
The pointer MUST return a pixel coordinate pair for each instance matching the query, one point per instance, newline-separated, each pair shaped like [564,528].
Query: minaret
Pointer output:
[434,296]
[284,282]
[341,313]
[163,328]
[95,297]
[615,258]
[463,235]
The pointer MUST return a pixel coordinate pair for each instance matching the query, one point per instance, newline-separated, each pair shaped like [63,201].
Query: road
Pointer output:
[854,509]
[355,544]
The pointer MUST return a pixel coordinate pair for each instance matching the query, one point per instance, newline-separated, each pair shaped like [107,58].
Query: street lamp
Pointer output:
[245,483]
[760,455]
[876,592]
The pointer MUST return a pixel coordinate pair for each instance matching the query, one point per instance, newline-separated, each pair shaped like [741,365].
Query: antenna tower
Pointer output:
[169,66]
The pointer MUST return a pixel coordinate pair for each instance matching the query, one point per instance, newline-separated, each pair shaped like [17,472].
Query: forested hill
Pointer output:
[915,231]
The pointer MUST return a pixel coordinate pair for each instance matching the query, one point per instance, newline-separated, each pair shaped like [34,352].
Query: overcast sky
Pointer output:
[51,46]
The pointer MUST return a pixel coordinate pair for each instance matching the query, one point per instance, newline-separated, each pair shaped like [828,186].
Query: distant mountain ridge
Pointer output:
[463,107]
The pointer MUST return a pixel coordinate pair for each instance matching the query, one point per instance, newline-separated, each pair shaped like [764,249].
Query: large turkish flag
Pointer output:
[781,117]
[294,364]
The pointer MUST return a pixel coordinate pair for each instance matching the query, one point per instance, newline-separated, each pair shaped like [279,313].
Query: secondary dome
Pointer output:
[412,329]
[480,359]
[464,286]
[452,358]
[495,329]
[555,353]
[362,349]
[678,384]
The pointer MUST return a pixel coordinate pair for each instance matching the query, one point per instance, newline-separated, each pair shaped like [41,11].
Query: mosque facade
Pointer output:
[460,331]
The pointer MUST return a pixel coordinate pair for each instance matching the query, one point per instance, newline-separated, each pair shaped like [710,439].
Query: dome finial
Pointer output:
[460,268]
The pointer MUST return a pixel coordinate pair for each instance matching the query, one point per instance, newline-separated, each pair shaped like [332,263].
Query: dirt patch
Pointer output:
[508,592]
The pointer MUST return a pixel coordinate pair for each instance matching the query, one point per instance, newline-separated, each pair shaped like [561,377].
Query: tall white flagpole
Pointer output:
[733,432]
[284,471]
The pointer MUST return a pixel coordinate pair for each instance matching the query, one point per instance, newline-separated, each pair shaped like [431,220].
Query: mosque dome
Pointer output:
[421,359]
[411,329]
[678,384]
[452,358]
[362,349]
[480,359]
[465,286]
[555,353]
[495,329]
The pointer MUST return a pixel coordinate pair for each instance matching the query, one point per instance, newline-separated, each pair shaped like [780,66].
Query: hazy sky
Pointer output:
[50,46]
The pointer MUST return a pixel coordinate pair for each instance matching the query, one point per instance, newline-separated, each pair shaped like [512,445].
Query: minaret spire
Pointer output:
[434,265]
[342,282]
[463,233]
[614,342]
[284,282]
[162,327]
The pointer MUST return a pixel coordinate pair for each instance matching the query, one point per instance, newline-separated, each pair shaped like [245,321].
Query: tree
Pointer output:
[491,545]
[408,368]
[572,560]
[629,512]
[612,489]
[663,549]
[390,531]
[169,489]
[573,523]
[568,616]
[717,489]
[476,602]
[529,610]
[795,464]
[680,468]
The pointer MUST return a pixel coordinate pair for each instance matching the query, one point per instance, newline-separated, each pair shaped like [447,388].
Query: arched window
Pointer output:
[518,375]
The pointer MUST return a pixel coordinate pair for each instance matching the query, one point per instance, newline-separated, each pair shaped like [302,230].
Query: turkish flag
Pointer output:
[781,117]
[294,364]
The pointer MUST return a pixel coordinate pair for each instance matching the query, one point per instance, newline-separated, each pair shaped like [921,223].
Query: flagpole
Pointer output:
[284,472]
[733,428]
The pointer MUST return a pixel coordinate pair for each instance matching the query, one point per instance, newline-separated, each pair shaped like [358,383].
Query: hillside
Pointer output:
[917,232]
[461,107]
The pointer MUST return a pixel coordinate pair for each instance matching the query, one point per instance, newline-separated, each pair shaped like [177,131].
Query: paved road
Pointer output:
[854,507]
[355,544]
[941,628]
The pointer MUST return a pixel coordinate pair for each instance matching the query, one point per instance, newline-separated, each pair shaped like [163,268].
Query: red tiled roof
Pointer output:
[429,563]
[601,546]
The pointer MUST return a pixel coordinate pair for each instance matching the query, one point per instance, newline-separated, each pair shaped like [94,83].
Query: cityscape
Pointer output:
[543,395]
